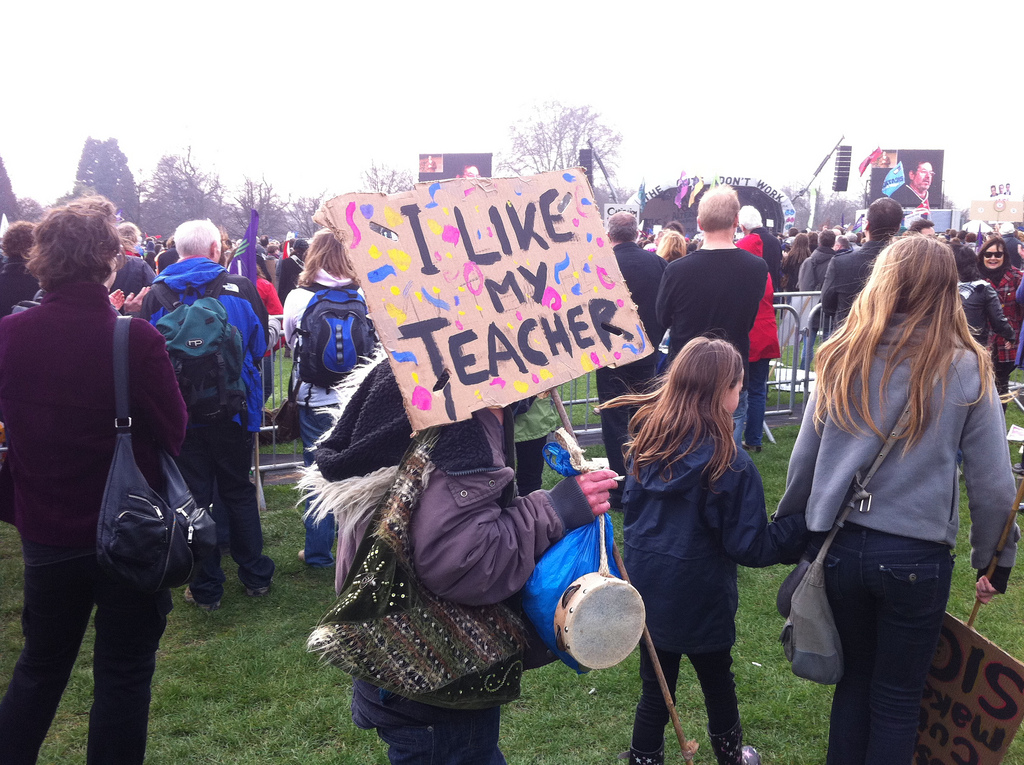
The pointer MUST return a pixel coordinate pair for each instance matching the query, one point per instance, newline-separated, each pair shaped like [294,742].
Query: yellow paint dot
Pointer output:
[479,395]
[419,295]
[590,256]
[444,210]
[462,313]
[520,386]
[395,291]
[545,374]
[400,259]
[395,313]
[434,226]
[462,288]
[393,218]
[415,378]
[595,289]
[586,363]
[476,208]
[509,325]
[479,307]
[575,274]
[448,255]
[374,252]
[437,290]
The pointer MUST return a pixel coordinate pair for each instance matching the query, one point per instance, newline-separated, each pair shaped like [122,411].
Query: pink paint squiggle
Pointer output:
[602,276]
[350,212]
[551,299]
[498,381]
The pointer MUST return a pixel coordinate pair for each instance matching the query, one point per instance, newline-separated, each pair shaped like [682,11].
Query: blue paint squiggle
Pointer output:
[569,177]
[577,289]
[380,274]
[404,356]
[438,303]
[433,190]
[559,267]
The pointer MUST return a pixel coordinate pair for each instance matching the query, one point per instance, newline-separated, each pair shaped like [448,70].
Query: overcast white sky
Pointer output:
[306,93]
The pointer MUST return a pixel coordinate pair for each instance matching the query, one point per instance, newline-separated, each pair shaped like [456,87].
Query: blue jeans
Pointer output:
[222,454]
[59,599]
[319,547]
[757,399]
[467,738]
[739,418]
[888,595]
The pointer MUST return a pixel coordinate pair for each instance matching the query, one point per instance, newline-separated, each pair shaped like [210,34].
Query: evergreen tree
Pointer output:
[104,168]
[8,202]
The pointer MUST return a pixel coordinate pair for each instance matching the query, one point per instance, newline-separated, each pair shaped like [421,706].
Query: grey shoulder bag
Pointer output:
[809,638]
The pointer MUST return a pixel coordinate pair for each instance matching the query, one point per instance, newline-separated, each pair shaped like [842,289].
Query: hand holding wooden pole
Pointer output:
[999,547]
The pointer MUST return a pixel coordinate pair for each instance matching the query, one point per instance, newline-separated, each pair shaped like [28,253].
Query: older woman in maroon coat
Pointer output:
[57,400]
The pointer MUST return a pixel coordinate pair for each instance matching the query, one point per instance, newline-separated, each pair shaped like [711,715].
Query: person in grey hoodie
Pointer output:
[890,566]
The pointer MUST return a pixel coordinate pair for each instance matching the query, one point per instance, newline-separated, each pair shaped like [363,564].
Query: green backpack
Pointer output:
[205,350]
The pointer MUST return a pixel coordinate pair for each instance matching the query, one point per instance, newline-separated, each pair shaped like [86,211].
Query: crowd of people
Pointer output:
[908,319]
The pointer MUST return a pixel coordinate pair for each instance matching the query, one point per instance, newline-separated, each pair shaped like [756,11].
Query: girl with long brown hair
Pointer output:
[694,508]
[798,253]
[905,342]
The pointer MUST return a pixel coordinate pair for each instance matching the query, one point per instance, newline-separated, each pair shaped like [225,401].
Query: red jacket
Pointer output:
[57,399]
[764,337]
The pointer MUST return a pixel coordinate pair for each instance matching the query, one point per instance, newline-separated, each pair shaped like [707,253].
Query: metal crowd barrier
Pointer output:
[789,383]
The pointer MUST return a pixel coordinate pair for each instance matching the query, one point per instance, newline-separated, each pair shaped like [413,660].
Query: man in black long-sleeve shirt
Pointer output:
[847,274]
[642,272]
[716,290]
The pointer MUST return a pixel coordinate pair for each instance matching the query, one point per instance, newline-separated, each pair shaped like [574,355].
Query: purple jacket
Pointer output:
[57,400]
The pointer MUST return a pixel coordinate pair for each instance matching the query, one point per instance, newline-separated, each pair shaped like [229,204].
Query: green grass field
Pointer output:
[237,686]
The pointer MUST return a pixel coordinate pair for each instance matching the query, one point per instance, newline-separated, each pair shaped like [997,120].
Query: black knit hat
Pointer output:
[374,432]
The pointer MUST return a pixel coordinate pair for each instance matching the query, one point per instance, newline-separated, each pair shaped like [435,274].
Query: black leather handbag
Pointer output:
[146,539]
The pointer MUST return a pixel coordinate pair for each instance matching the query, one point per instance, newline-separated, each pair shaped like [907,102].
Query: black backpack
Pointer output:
[206,352]
[333,333]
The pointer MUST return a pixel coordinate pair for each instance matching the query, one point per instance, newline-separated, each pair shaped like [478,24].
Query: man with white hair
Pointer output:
[771,247]
[217,452]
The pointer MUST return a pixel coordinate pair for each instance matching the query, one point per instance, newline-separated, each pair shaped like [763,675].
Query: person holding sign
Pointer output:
[473,540]
[888,577]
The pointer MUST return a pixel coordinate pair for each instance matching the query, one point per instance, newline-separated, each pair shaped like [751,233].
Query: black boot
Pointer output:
[729,749]
[647,758]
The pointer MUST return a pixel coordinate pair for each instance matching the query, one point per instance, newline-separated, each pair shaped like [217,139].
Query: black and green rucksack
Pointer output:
[206,352]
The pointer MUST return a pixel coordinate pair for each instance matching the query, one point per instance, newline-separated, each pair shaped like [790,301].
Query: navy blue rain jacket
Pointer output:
[683,542]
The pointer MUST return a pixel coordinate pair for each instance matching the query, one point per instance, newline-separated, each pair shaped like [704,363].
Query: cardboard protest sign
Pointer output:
[973,700]
[485,291]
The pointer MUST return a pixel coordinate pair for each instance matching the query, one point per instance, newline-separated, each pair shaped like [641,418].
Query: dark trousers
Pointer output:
[714,672]
[223,453]
[464,738]
[888,595]
[1002,370]
[530,464]
[59,599]
[615,422]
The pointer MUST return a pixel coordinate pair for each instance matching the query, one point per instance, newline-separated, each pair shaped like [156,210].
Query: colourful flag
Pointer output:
[684,186]
[869,159]
[858,227]
[245,252]
[696,189]
[893,180]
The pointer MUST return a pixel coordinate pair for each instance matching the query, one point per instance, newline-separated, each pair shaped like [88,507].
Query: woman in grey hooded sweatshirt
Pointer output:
[889,569]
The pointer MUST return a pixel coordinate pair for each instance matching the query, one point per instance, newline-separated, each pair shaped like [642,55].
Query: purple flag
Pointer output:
[245,252]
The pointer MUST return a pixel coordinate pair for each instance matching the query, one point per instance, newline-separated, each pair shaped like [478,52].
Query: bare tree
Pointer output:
[261,197]
[300,215]
[385,179]
[30,209]
[180,190]
[552,136]
[834,209]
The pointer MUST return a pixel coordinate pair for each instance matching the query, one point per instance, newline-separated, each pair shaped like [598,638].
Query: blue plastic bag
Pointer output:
[576,554]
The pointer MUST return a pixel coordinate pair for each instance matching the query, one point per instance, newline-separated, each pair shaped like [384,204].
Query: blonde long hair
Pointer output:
[686,408]
[915,276]
[327,250]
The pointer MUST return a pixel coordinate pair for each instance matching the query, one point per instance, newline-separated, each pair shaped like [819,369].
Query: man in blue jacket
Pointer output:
[217,456]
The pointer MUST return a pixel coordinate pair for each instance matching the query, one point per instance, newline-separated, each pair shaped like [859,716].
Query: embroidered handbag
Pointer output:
[388,629]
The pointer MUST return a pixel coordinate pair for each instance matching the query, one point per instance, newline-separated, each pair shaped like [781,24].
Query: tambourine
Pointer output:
[599,618]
